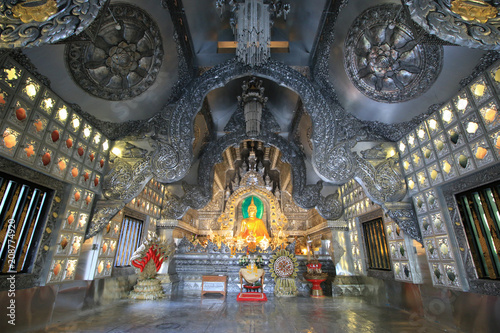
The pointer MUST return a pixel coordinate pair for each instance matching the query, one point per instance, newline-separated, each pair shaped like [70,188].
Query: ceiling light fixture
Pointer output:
[402,147]
[31,90]
[253,102]
[117,151]
[251,22]
[472,127]
[433,124]
[447,116]
[63,114]
[462,104]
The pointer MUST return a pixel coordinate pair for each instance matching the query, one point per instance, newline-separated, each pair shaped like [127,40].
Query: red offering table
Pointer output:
[250,288]
[316,287]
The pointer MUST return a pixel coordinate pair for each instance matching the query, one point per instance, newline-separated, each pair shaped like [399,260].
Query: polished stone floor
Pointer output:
[210,314]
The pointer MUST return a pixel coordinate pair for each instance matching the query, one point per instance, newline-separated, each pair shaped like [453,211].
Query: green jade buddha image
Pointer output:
[253,226]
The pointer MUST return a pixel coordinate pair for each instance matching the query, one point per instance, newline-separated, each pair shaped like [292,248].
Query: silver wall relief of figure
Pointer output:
[124,181]
[33,23]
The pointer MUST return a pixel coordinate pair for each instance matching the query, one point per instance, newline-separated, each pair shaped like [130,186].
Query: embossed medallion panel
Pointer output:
[384,61]
[124,59]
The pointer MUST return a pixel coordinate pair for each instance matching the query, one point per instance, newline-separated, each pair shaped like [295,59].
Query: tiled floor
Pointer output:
[299,314]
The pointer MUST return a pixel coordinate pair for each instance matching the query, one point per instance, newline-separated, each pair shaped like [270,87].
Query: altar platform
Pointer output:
[191,263]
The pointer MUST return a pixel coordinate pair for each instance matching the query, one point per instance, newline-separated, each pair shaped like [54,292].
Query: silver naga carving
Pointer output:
[122,183]
[124,59]
[170,135]
[336,163]
[330,207]
[384,185]
[72,17]
[382,182]
[384,60]
[125,181]
[179,118]
[103,212]
[404,215]
[173,207]
[437,18]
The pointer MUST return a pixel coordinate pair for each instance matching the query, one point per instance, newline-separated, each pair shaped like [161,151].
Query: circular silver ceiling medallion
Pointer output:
[384,61]
[123,60]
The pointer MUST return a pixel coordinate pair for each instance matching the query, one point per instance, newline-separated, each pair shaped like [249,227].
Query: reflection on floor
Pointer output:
[212,314]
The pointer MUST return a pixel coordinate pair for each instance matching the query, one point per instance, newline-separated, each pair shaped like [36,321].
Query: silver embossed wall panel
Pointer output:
[458,139]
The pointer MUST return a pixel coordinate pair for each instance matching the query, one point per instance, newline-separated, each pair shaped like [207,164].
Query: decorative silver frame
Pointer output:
[41,264]
[448,191]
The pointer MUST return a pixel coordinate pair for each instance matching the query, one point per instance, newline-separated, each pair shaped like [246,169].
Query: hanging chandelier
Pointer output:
[253,102]
[251,21]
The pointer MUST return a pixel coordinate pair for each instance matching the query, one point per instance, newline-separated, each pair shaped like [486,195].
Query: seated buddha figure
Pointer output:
[253,226]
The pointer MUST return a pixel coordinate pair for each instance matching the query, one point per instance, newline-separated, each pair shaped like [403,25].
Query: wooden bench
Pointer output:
[213,284]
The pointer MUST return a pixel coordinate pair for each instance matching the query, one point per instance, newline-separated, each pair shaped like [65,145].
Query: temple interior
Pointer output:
[250,166]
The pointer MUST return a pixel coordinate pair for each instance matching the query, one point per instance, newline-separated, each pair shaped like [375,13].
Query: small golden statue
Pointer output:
[252,226]
[474,10]
[35,10]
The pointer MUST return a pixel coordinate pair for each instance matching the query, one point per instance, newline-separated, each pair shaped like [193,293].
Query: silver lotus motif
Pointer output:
[384,60]
[124,59]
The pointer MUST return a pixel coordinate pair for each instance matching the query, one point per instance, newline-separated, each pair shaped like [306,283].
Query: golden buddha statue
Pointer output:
[253,226]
